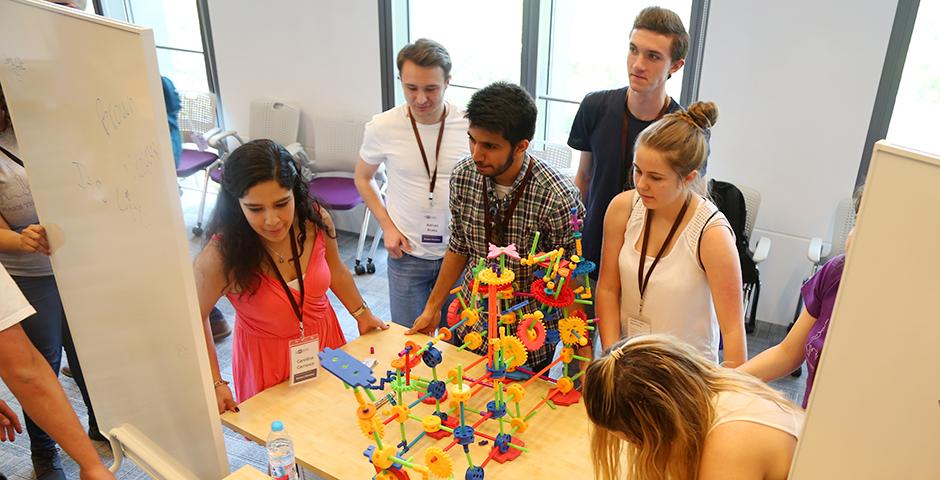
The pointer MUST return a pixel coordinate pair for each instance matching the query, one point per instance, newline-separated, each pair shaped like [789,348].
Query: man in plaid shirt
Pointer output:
[502,195]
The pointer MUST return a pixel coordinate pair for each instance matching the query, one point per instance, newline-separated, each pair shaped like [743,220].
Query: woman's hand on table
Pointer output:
[368,322]
[224,399]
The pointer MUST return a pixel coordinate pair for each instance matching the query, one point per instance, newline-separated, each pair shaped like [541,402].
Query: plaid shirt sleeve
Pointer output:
[460,190]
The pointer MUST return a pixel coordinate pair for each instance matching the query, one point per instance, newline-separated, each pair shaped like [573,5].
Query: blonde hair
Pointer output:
[682,137]
[657,392]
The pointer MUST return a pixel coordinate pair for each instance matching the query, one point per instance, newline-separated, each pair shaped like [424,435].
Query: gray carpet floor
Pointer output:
[15,459]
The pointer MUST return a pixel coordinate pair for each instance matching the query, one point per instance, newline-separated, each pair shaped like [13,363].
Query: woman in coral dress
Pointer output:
[272,252]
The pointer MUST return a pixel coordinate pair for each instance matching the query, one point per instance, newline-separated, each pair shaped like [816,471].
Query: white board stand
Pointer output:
[874,412]
[86,102]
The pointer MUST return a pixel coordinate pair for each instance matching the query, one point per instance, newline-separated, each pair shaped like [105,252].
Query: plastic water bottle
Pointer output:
[281,464]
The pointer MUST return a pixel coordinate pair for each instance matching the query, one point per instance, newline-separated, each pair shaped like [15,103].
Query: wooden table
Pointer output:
[247,472]
[321,418]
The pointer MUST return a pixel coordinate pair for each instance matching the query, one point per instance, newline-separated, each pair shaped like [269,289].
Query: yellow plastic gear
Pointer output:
[384,475]
[508,319]
[567,355]
[515,351]
[473,340]
[568,326]
[431,423]
[382,457]
[472,316]
[515,392]
[460,393]
[438,462]
[564,384]
[370,426]
[489,277]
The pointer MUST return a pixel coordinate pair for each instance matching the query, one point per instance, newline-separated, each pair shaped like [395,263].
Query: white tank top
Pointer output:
[744,407]
[678,300]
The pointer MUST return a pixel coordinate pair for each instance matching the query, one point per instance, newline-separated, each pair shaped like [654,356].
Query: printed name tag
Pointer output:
[304,363]
[638,326]
[434,227]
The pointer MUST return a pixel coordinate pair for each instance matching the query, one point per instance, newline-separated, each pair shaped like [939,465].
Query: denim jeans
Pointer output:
[410,281]
[49,333]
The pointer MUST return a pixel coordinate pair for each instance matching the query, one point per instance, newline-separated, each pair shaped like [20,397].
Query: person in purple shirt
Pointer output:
[806,339]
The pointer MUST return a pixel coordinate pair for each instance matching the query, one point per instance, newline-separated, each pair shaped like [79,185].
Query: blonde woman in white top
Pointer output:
[676,415]
[668,260]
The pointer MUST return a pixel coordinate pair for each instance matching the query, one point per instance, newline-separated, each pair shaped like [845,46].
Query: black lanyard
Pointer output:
[516,196]
[298,309]
[646,239]
[12,157]
[437,150]
[627,161]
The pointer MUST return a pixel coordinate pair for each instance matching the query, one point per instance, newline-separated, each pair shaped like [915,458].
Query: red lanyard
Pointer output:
[295,258]
[627,161]
[437,149]
[646,238]
[516,196]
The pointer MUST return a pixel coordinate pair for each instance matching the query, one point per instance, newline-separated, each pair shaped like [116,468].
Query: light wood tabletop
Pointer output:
[321,418]
[247,472]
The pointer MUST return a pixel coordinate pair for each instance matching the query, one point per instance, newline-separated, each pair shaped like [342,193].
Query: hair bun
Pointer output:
[704,114]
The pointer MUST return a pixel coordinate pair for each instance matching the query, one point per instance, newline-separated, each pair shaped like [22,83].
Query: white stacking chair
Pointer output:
[555,154]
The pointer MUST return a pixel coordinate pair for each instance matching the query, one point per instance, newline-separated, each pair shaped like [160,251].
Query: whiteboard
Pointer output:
[874,412]
[86,102]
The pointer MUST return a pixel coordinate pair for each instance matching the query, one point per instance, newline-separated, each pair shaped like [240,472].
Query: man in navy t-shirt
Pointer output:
[608,121]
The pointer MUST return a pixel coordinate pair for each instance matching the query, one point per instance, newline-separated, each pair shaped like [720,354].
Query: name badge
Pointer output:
[304,362]
[637,325]
[434,227]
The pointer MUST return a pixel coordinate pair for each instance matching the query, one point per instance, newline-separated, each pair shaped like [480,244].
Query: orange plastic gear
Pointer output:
[473,340]
[366,411]
[368,427]
[568,326]
[564,384]
[567,355]
[438,462]
[445,334]
[519,424]
[515,351]
[401,413]
[515,392]
[508,319]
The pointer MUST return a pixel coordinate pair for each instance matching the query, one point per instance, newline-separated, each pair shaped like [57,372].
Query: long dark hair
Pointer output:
[240,246]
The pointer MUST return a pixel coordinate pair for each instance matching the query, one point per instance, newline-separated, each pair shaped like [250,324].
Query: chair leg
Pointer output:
[748,300]
[752,318]
[359,268]
[197,230]
[370,267]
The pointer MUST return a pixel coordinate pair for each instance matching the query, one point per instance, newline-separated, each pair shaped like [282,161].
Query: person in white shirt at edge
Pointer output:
[665,267]
[27,374]
[419,142]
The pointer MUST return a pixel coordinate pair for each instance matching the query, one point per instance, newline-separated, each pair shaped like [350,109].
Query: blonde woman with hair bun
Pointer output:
[668,259]
[663,411]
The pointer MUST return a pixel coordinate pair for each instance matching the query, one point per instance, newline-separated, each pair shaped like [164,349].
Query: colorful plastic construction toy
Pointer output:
[508,339]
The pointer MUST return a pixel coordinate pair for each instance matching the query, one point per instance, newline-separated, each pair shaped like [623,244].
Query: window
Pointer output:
[177,34]
[586,50]
[576,46]
[914,119]
[484,39]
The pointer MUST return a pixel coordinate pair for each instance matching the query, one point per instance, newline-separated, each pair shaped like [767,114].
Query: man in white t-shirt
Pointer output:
[419,143]
[28,376]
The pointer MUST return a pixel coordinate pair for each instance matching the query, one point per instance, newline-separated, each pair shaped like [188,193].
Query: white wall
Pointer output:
[320,55]
[795,82]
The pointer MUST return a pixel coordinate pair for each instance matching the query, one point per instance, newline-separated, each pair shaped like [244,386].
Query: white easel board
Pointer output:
[874,412]
[87,106]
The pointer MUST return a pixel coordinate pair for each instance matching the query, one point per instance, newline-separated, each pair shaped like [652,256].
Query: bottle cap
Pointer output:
[277,426]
